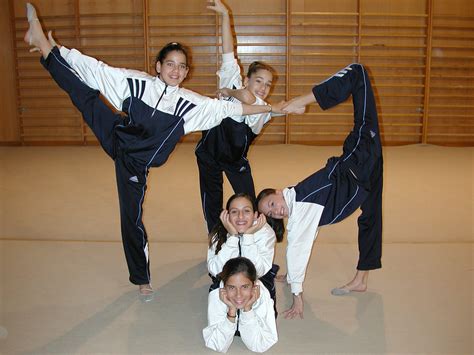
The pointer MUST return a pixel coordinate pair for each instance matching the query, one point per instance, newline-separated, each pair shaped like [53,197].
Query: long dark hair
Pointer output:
[277,225]
[170,47]
[236,266]
[219,233]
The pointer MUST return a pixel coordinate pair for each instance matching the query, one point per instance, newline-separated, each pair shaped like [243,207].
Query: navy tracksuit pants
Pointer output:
[103,122]
[354,179]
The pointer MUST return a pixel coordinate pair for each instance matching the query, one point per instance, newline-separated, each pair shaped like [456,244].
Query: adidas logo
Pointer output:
[134,179]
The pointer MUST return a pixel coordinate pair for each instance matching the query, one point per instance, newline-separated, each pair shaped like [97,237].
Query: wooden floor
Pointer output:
[64,286]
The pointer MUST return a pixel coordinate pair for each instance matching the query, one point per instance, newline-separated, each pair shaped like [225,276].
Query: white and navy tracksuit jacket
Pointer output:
[158,115]
[346,183]
[224,148]
[257,327]
[259,248]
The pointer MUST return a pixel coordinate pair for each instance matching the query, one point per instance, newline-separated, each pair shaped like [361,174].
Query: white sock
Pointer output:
[30,12]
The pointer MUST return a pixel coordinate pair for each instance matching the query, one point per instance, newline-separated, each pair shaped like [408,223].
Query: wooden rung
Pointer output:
[314,13]
[181,25]
[111,14]
[182,34]
[394,46]
[444,96]
[453,106]
[398,55]
[450,115]
[392,14]
[336,45]
[315,34]
[324,24]
[110,35]
[450,125]
[387,35]
[127,26]
[451,134]
[404,27]
[453,26]
[316,54]
[458,87]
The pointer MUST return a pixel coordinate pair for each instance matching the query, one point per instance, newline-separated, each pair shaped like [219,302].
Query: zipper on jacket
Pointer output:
[156,106]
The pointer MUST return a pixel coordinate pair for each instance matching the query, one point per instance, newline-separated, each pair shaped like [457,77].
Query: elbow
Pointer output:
[248,98]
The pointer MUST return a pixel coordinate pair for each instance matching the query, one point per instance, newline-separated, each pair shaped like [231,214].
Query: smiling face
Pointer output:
[241,214]
[173,69]
[259,83]
[274,205]
[239,289]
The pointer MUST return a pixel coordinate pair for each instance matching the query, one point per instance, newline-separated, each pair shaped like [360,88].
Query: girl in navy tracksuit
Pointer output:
[224,148]
[346,183]
[158,111]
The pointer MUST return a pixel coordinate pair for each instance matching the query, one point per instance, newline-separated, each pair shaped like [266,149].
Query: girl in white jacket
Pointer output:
[241,232]
[159,112]
[240,304]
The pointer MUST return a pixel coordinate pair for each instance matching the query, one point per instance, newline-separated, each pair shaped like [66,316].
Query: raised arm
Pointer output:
[227,39]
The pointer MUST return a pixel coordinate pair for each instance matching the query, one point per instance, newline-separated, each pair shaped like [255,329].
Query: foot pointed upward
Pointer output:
[35,36]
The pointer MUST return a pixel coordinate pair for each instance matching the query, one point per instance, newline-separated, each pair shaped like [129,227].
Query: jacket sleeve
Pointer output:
[229,72]
[230,77]
[260,249]
[258,326]
[219,333]
[208,112]
[229,250]
[110,81]
[257,121]
[302,231]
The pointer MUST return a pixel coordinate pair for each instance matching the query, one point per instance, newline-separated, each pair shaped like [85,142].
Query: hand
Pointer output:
[223,93]
[223,297]
[294,106]
[296,308]
[259,223]
[253,299]
[217,6]
[225,219]
[298,104]
[278,108]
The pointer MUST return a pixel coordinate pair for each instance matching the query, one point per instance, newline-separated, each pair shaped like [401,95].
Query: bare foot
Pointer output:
[280,278]
[358,284]
[145,290]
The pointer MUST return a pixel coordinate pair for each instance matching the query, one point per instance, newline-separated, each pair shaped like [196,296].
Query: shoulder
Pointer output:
[192,96]
[135,74]
[265,232]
